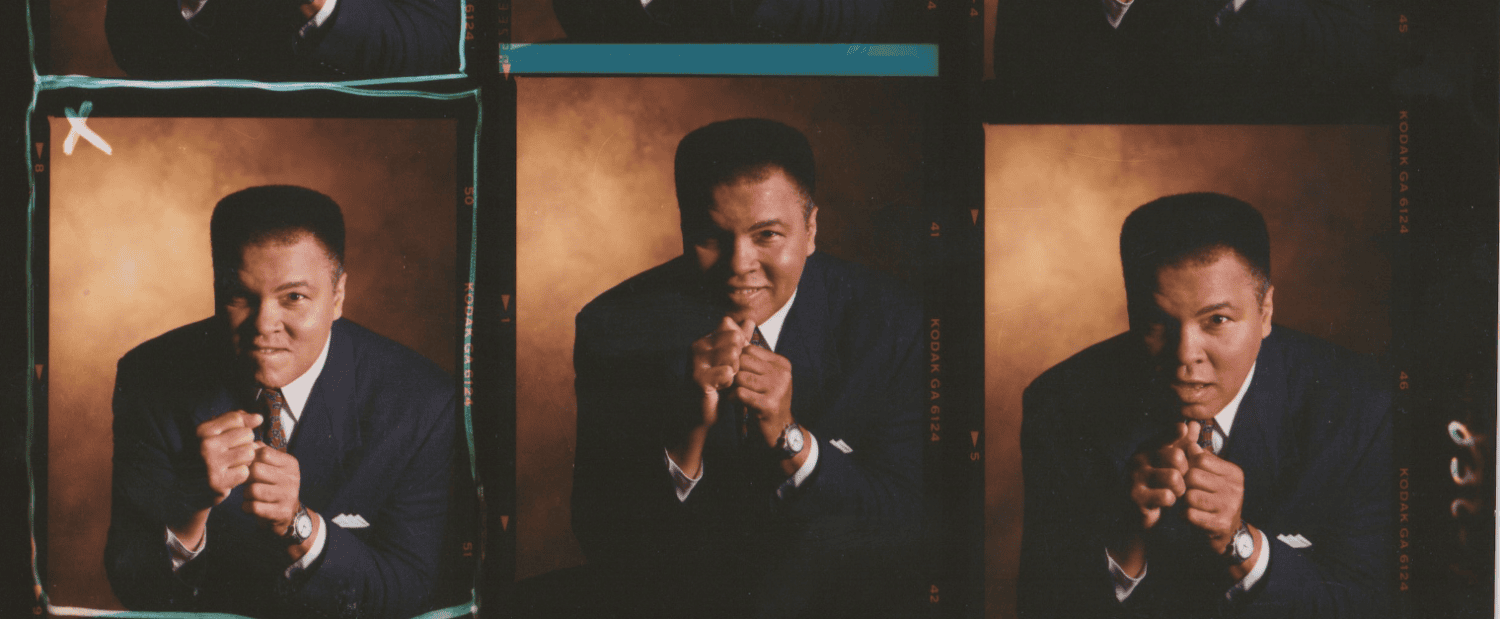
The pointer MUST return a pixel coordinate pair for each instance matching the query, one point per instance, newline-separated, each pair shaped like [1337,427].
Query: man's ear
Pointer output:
[1266,309]
[812,230]
[338,296]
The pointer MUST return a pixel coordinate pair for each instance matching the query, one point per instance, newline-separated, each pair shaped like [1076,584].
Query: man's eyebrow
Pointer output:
[290,285]
[1214,308]
[767,223]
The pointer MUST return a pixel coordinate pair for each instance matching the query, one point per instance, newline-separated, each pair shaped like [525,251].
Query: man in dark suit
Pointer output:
[276,460]
[1189,61]
[283,39]
[1206,463]
[749,414]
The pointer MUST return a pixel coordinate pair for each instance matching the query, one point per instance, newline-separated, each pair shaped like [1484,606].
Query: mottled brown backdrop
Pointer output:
[595,205]
[1055,198]
[129,260]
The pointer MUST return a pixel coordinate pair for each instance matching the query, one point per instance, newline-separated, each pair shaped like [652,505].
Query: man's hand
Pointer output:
[227,446]
[1158,478]
[1215,496]
[764,385]
[716,360]
[275,481]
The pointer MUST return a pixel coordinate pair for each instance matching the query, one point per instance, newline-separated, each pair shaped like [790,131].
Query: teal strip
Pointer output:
[722,59]
[55,82]
[460,610]
[473,269]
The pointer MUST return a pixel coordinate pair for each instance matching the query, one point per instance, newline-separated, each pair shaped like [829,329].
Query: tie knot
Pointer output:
[759,340]
[1207,436]
[273,400]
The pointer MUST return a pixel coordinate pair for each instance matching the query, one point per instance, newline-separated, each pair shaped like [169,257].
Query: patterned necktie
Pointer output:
[275,405]
[1206,436]
[756,339]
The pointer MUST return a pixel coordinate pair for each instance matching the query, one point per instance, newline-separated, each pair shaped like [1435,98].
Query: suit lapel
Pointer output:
[801,342]
[1253,443]
[327,428]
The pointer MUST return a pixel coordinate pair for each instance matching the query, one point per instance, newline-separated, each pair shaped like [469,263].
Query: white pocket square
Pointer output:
[841,445]
[350,521]
[1295,541]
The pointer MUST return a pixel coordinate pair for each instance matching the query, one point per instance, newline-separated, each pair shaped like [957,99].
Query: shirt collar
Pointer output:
[1225,419]
[298,391]
[771,330]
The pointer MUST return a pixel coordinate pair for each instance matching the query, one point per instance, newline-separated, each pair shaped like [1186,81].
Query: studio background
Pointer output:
[1055,198]
[596,204]
[129,260]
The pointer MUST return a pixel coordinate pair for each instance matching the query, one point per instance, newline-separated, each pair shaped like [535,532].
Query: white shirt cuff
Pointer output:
[179,553]
[803,472]
[1124,584]
[1262,563]
[1114,11]
[680,480]
[312,555]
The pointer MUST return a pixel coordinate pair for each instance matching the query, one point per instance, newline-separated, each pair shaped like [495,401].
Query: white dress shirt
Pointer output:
[296,394]
[1223,422]
[771,331]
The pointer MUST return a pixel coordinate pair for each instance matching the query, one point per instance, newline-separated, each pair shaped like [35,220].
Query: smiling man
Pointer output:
[1207,462]
[276,460]
[749,414]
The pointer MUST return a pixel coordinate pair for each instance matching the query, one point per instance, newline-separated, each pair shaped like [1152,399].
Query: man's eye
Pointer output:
[1218,319]
[295,296]
[707,242]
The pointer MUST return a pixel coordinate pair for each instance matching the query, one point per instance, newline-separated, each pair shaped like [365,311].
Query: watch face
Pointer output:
[1244,545]
[794,440]
[304,526]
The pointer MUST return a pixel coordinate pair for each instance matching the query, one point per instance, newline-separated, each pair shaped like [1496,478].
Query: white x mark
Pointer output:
[78,120]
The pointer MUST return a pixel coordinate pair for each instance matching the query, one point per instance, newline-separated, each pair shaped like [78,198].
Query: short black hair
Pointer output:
[1186,228]
[277,214]
[729,150]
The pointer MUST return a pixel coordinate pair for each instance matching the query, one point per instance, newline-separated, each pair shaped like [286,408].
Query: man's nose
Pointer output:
[743,258]
[1189,346]
[267,318]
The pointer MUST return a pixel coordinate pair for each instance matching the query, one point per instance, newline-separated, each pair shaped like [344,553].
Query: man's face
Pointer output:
[759,238]
[1205,330]
[281,308]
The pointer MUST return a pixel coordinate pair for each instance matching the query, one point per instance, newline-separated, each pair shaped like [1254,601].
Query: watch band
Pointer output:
[1232,553]
[789,443]
[292,535]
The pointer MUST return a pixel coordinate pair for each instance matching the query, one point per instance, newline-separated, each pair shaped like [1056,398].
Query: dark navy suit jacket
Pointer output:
[375,440]
[853,340]
[1313,437]
[258,40]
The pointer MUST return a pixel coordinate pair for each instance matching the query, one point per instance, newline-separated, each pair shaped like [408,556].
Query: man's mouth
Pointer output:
[263,353]
[745,295]
[1189,391]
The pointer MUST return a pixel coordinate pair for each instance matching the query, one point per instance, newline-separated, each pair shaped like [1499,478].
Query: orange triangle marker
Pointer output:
[974,437]
[505,523]
[974,215]
[38,149]
[39,371]
[505,301]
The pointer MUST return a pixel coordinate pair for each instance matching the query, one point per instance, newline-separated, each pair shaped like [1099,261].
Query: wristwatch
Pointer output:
[300,529]
[790,443]
[1241,547]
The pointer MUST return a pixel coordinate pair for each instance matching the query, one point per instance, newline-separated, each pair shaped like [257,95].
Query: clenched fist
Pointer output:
[227,444]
